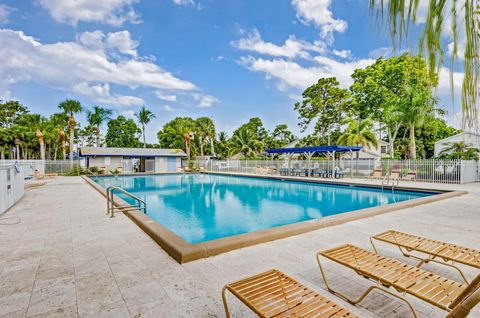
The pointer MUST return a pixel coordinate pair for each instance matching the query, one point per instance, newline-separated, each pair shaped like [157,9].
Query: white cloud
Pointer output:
[342,53]
[205,101]
[129,114]
[170,98]
[184,3]
[167,108]
[291,48]
[318,12]
[384,51]
[5,13]
[88,66]
[293,75]
[101,94]
[113,12]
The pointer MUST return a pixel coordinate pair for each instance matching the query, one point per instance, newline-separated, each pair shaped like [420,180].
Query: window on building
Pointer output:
[383,149]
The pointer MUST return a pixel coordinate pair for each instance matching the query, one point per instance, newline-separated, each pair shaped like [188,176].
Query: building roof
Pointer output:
[317,149]
[131,152]
[457,137]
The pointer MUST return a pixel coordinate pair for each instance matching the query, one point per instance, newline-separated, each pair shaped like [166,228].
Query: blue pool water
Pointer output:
[203,207]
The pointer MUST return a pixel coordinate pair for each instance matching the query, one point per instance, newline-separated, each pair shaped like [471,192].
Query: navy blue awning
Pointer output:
[317,149]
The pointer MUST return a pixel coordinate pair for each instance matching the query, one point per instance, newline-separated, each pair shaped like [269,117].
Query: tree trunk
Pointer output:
[55,151]
[201,146]
[143,131]
[98,136]
[41,141]
[212,146]
[2,152]
[411,145]
[71,122]
[17,148]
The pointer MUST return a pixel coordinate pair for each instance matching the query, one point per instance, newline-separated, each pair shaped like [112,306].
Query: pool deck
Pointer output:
[66,258]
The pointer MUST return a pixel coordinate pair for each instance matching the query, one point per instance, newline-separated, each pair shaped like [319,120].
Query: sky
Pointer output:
[227,59]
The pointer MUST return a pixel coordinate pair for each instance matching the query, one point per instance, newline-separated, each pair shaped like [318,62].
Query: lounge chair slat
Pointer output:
[274,294]
[450,252]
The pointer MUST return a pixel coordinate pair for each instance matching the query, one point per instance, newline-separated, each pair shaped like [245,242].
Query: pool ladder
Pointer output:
[140,205]
[386,181]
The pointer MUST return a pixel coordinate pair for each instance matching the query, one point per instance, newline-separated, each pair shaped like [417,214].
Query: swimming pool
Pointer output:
[204,207]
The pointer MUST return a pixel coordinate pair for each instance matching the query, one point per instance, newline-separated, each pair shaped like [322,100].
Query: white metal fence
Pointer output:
[425,170]
[44,166]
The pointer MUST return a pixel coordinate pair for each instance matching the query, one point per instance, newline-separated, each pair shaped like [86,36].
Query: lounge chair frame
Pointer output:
[298,298]
[365,294]
[459,307]
[429,258]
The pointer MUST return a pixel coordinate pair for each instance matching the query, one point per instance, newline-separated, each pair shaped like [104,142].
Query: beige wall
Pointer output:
[161,163]
[115,162]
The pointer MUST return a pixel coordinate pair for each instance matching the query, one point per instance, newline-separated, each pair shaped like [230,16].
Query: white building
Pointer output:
[470,139]
[370,152]
[129,160]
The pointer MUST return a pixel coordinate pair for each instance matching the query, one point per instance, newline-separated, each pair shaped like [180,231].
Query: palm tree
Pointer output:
[144,116]
[358,133]
[245,141]
[402,13]
[71,107]
[96,118]
[205,129]
[460,150]
[415,109]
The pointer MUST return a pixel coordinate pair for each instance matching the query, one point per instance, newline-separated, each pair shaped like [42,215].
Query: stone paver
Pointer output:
[67,259]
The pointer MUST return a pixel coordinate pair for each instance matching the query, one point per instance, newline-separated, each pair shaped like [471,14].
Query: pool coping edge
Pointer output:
[184,252]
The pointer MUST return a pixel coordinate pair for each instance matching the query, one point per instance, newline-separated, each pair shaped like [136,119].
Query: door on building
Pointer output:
[171,164]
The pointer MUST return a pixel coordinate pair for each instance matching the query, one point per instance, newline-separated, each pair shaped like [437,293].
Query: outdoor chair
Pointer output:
[377,174]
[410,176]
[392,177]
[456,298]
[436,251]
[274,294]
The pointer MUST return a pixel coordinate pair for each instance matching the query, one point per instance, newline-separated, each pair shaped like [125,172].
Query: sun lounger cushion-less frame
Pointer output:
[436,290]
[274,294]
[436,250]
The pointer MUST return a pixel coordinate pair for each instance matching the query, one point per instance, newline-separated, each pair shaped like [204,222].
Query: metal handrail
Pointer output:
[141,205]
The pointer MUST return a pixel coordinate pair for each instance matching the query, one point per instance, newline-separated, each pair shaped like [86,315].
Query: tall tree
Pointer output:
[96,118]
[280,136]
[379,88]
[71,107]
[358,133]
[246,142]
[144,116]
[442,15]
[325,103]
[205,130]
[178,133]
[122,132]
[416,107]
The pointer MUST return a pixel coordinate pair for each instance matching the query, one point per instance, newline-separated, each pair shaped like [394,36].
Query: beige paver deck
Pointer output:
[67,259]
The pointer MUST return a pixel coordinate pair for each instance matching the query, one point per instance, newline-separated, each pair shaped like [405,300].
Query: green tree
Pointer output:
[459,150]
[10,111]
[122,132]
[325,103]
[378,90]
[144,116]
[358,133]
[221,146]
[255,126]
[402,13]
[71,107]
[280,136]
[245,141]
[205,130]
[96,118]
[178,133]
[416,108]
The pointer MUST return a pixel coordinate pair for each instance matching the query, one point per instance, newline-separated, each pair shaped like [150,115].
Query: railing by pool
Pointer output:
[425,170]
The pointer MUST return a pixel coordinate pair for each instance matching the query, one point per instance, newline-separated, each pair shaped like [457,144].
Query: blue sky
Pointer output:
[230,60]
